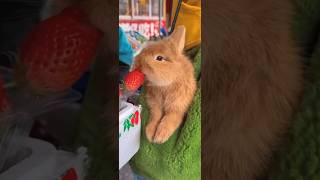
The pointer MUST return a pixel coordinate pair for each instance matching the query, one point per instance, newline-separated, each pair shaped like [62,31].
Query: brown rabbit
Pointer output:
[252,81]
[170,84]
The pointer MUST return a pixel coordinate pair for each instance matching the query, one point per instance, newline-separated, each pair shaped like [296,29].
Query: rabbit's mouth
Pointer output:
[154,77]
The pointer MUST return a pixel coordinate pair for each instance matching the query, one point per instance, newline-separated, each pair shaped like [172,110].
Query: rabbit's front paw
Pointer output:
[162,134]
[150,131]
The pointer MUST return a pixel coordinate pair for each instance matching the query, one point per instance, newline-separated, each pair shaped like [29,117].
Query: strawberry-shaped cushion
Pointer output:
[58,51]
[134,80]
[4,103]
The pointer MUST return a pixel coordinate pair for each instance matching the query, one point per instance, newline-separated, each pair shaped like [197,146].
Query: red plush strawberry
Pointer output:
[4,103]
[59,50]
[134,80]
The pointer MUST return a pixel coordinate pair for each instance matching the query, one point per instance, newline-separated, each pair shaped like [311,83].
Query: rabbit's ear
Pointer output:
[178,37]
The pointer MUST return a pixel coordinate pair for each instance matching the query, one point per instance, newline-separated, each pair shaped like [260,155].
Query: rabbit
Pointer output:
[170,84]
[252,81]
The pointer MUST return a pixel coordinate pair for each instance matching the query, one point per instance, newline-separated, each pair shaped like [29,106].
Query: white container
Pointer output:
[129,132]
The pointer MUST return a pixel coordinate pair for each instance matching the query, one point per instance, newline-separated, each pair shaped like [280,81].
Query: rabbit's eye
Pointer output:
[159,58]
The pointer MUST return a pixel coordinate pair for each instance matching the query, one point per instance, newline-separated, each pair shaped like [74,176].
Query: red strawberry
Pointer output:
[59,50]
[4,103]
[134,80]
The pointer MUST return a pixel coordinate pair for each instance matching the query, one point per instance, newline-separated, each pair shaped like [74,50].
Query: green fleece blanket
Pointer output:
[300,158]
[180,157]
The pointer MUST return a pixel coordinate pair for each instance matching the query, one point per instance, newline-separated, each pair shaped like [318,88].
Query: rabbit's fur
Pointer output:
[170,84]
[251,85]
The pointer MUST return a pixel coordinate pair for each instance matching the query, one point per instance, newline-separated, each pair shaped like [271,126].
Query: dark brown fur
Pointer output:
[251,81]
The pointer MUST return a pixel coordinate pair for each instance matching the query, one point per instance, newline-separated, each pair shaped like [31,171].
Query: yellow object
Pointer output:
[190,17]
[143,2]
